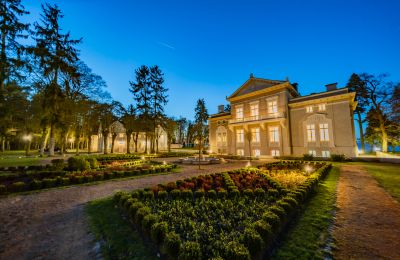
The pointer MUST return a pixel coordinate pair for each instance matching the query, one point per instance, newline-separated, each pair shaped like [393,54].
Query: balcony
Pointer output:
[258,118]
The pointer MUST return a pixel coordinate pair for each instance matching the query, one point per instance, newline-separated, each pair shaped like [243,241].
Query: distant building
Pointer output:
[120,144]
[280,122]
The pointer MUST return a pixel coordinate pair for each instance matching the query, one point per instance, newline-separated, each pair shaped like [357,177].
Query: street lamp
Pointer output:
[27,138]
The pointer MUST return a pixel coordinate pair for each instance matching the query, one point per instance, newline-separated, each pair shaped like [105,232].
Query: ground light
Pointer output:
[308,168]
[248,164]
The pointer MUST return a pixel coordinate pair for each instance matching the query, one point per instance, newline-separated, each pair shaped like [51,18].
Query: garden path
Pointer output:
[367,220]
[52,224]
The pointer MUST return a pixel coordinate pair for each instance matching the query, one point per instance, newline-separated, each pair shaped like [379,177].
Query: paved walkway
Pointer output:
[52,224]
[368,219]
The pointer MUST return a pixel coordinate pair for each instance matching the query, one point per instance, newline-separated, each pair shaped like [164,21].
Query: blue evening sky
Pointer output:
[207,49]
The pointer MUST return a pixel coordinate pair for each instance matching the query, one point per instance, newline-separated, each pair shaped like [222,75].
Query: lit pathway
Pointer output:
[368,219]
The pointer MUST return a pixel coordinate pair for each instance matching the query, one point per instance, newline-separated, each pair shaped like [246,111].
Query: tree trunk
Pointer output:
[135,141]
[43,141]
[113,136]
[3,144]
[27,148]
[89,142]
[145,144]
[105,141]
[157,145]
[128,142]
[362,140]
[52,142]
[384,133]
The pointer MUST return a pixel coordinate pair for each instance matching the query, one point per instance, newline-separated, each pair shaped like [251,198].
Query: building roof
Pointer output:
[313,96]
[220,114]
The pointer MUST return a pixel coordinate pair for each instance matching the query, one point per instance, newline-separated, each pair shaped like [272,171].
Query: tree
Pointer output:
[170,125]
[107,116]
[355,84]
[182,124]
[201,119]
[378,93]
[11,60]
[159,100]
[56,54]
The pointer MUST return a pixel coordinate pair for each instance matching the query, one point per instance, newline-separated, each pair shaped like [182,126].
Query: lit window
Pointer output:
[312,152]
[275,152]
[326,154]
[324,132]
[240,136]
[219,137]
[224,137]
[309,109]
[121,135]
[272,107]
[256,152]
[239,112]
[255,135]
[254,110]
[322,107]
[240,152]
[311,133]
[274,134]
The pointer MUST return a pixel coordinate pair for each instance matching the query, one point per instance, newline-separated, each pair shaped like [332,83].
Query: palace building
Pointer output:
[269,118]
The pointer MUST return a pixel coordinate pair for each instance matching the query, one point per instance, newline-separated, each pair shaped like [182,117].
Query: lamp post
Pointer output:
[27,138]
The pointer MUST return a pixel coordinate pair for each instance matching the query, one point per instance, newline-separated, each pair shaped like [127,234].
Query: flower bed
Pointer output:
[235,215]
[35,180]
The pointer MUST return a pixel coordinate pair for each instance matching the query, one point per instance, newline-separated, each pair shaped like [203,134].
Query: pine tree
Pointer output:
[56,54]
[201,119]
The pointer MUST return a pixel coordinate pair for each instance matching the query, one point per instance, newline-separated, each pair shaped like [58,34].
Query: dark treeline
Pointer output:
[49,97]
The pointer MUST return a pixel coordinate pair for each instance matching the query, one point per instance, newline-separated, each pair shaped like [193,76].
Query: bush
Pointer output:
[248,193]
[292,201]
[259,193]
[78,164]
[17,186]
[252,240]
[148,221]
[36,185]
[338,157]
[308,157]
[172,244]
[92,162]
[98,176]
[199,193]
[162,194]
[237,251]
[119,174]
[222,193]
[272,219]
[48,183]
[159,231]
[175,193]
[264,229]
[273,193]
[134,208]
[148,195]
[286,206]
[58,164]
[280,212]
[212,194]
[65,181]
[187,194]
[234,193]
[190,250]
[3,189]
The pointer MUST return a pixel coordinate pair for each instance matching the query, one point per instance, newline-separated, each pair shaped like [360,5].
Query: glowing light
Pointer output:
[164,162]
[248,164]
[71,140]
[308,169]
[27,137]
[143,158]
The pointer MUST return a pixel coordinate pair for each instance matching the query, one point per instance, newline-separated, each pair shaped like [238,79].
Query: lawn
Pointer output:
[309,235]
[17,161]
[119,240]
[387,175]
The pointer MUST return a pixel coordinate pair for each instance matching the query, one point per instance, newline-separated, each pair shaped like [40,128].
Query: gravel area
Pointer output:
[368,219]
[52,224]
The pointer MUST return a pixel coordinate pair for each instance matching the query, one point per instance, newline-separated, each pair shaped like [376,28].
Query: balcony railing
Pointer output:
[258,118]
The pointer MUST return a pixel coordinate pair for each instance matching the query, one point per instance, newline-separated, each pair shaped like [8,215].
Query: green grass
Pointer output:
[387,175]
[308,236]
[118,239]
[16,161]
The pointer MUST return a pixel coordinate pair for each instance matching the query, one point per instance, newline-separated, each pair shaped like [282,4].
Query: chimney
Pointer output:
[221,108]
[251,75]
[330,87]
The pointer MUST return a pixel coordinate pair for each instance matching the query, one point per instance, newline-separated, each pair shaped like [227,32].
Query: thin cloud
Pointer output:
[166,45]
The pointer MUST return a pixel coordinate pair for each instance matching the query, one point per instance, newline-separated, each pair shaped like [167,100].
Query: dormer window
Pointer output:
[322,107]
[309,109]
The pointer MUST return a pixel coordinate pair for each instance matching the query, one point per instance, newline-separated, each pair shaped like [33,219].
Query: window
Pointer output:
[240,136]
[255,135]
[326,154]
[224,137]
[272,106]
[275,152]
[311,133]
[274,134]
[324,132]
[219,137]
[121,135]
[322,107]
[312,152]
[240,152]
[256,152]
[239,112]
[254,110]
[309,109]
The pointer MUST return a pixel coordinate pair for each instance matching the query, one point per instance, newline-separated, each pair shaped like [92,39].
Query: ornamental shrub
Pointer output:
[172,244]
[222,194]
[190,250]
[308,157]
[234,193]
[158,231]
[175,194]
[127,204]
[17,186]
[292,201]
[280,212]
[162,194]
[252,240]
[199,193]
[48,183]
[58,164]
[338,157]
[237,251]
[259,193]
[118,195]
[212,194]
[263,229]
[135,194]
[273,193]
[286,206]
[123,198]
[36,185]
[272,219]
[134,208]
[248,193]
[88,178]
[98,176]
[119,174]
[92,162]
[187,194]
[141,213]
[78,164]
[148,221]
[148,194]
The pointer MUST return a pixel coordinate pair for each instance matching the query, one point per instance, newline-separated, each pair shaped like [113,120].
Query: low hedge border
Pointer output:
[70,179]
[257,240]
